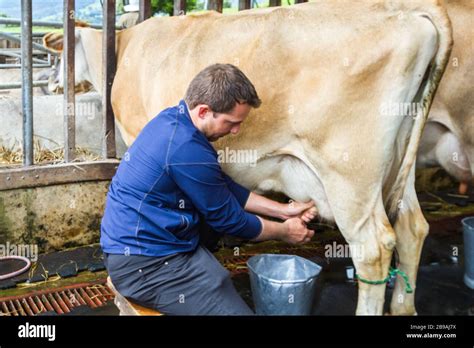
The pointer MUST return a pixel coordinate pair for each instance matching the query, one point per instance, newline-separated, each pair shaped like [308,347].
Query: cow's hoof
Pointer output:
[404,313]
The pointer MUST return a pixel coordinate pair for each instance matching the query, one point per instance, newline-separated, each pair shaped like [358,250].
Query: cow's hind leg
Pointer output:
[364,224]
[411,229]
[360,215]
[372,244]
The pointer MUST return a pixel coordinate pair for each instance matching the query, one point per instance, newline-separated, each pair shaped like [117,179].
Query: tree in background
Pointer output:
[119,6]
[166,6]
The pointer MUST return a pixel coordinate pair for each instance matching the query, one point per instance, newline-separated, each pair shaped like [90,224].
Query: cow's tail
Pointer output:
[437,14]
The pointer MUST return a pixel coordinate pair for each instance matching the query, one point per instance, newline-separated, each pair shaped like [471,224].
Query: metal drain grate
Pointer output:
[62,300]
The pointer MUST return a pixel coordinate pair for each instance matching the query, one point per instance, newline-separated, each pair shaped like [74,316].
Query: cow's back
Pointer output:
[315,51]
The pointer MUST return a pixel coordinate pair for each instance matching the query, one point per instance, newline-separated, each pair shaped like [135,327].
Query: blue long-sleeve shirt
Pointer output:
[169,179]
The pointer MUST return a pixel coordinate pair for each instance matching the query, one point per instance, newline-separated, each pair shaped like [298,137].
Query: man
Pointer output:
[169,183]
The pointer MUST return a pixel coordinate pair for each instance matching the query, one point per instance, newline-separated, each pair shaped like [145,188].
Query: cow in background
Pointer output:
[448,138]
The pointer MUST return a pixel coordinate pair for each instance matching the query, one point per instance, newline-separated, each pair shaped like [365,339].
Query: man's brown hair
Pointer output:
[221,86]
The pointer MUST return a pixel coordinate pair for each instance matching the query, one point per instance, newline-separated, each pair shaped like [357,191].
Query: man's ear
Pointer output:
[203,110]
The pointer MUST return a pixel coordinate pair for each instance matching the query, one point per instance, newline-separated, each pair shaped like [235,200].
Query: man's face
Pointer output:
[216,125]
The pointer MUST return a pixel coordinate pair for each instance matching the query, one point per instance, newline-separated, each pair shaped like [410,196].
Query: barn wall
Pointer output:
[53,217]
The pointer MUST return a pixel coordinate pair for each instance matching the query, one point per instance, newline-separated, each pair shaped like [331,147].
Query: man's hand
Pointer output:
[293,231]
[296,232]
[261,205]
[306,211]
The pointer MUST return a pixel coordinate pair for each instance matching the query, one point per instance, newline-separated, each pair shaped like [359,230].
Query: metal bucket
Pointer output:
[468,227]
[283,284]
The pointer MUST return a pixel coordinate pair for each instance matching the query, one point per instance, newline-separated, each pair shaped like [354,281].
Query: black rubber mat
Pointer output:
[63,263]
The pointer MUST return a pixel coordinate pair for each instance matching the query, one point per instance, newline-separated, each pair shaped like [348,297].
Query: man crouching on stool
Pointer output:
[169,184]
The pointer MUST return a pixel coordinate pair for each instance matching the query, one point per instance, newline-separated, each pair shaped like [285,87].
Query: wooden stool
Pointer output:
[127,307]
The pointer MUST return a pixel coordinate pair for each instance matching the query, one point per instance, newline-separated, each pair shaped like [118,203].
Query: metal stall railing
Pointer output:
[27,80]
[109,61]
[42,23]
[69,81]
[40,63]
[38,49]
[33,175]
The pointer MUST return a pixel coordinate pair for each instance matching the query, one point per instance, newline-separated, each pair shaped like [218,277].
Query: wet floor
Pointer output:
[440,287]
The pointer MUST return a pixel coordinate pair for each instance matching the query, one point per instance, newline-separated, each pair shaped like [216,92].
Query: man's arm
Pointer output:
[258,204]
[200,177]
[261,205]
[197,173]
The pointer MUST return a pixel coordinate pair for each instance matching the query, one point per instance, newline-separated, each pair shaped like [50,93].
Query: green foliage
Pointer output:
[166,6]
[3,15]
[119,7]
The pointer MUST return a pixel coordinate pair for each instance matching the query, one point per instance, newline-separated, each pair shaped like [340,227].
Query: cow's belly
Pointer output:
[286,174]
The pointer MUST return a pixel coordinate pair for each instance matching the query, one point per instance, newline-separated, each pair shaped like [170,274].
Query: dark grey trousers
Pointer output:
[192,283]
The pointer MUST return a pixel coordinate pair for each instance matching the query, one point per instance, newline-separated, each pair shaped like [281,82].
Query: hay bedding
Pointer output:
[13,156]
